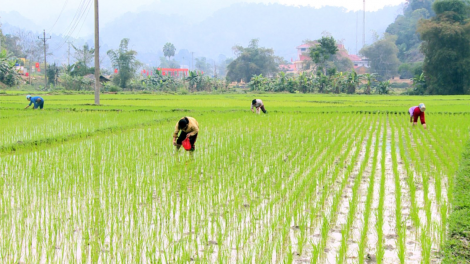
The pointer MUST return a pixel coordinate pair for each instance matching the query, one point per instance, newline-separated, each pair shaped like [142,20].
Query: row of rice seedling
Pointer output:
[368,217]
[356,182]
[450,105]
[339,181]
[25,127]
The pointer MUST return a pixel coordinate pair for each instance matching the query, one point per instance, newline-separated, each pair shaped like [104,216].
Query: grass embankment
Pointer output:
[457,247]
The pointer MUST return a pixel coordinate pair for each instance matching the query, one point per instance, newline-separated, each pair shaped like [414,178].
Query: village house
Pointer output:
[303,61]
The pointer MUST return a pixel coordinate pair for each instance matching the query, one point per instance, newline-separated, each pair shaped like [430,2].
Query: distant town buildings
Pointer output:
[303,62]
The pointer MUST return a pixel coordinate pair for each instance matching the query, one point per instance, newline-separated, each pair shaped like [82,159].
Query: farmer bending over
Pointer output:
[415,112]
[189,129]
[37,100]
[257,103]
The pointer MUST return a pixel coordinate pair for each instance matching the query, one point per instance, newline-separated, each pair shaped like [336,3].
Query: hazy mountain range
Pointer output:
[276,26]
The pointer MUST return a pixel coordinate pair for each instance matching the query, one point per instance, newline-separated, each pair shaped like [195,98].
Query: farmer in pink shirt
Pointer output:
[415,112]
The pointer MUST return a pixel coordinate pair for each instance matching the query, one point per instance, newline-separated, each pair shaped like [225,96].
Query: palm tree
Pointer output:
[125,61]
[169,50]
[84,55]
[304,82]
[337,81]
[322,81]
[194,80]
[257,83]
[8,74]
[352,82]
[383,87]
[370,78]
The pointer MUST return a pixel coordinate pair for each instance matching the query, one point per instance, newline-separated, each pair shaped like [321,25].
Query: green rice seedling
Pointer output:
[398,196]
[380,210]
[368,204]
[353,202]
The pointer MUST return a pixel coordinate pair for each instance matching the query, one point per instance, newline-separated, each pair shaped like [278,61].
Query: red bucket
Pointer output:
[186,144]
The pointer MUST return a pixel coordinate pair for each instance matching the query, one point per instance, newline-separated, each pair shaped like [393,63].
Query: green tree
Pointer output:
[2,38]
[252,60]
[446,48]
[164,63]
[79,69]
[342,64]
[169,50]
[352,82]
[322,82]
[84,56]
[420,4]
[336,81]
[125,61]
[12,44]
[383,87]
[222,67]
[305,82]
[8,74]
[195,81]
[408,40]
[52,74]
[419,85]
[322,52]
[383,57]
[370,79]
[203,65]
[257,83]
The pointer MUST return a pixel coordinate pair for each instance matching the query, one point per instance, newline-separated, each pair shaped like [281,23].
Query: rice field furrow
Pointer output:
[357,249]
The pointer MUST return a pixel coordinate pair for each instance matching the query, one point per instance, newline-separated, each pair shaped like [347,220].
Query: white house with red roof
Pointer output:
[359,61]
[303,60]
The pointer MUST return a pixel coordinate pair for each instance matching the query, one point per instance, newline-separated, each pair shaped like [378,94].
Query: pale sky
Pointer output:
[57,15]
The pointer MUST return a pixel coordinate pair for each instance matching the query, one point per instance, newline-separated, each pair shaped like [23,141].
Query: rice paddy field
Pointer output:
[319,179]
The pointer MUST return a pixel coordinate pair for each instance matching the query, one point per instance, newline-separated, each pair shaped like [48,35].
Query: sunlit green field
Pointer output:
[319,179]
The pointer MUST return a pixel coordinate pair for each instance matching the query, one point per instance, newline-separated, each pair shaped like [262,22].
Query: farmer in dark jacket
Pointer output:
[189,129]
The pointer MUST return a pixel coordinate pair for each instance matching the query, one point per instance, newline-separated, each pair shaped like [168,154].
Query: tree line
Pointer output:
[429,44]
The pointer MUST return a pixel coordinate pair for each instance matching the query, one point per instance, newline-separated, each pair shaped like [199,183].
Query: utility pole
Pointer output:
[97,55]
[364,26]
[215,71]
[357,30]
[45,58]
[68,55]
[192,62]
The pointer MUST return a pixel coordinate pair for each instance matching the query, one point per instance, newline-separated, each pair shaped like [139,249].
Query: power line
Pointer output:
[78,20]
[75,21]
[75,17]
[83,23]
[60,14]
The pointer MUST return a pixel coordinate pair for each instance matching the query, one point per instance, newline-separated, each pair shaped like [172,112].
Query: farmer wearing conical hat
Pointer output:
[37,101]
[258,104]
[415,112]
[189,129]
